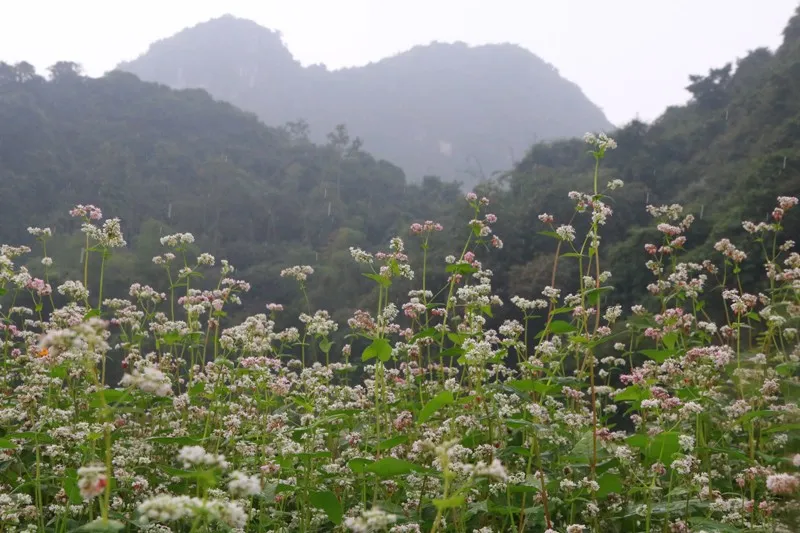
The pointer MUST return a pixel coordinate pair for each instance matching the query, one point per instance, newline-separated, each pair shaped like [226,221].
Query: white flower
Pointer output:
[243,485]
[566,233]
[176,240]
[92,481]
[148,379]
[196,456]
[374,519]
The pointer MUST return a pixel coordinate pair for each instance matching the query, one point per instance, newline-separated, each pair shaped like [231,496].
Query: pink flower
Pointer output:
[87,211]
[782,484]
[787,202]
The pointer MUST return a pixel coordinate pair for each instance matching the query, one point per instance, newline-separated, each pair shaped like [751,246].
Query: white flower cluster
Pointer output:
[169,508]
[298,272]
[109,235]
[148,379]
[242,485]
[92,481]
[360,256]
[73,290]
[374,519]
[319,324]
[192,456]
[177,239]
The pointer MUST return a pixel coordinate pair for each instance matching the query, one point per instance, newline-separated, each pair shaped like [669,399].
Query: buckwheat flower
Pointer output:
[242,485]
[206,259]
[177,240]
[651,404]
[576,528]
[110,235]
[86,211]
[148,379]
[686,442]
[551,292]
[615,184]
[360,256]
[319,324]
[196,456]
[47,261]
[40,232]
[683,465]
[566,233]
[299,272]
[547,219]
[375,519]
[620,347]
[92,481]
[493,470]
[783,484]
[528,305]
[787,202]
[73,290]
[471,196]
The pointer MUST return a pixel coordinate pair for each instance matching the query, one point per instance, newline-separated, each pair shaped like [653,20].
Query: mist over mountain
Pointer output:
[453,110]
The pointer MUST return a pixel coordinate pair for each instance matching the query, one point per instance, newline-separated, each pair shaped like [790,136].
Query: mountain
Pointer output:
[452,110]
[165,160]
[725,156]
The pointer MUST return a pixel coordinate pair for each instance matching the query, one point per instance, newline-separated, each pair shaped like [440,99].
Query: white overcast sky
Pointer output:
[629,56]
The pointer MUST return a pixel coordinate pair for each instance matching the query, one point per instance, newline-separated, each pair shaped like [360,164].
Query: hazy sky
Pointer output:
[629,56]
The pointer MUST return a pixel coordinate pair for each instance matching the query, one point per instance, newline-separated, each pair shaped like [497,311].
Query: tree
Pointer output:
[710,91]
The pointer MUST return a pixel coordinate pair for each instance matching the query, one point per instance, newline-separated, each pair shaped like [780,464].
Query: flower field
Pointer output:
[677,415]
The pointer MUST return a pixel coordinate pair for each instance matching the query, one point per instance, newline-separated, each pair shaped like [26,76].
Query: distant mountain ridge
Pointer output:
[453,110]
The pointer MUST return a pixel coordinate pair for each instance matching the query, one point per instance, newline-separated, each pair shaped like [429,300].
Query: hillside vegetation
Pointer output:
[450,110]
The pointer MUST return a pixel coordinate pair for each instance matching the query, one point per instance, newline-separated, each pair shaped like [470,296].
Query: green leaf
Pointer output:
[71,486]
[172,337]
[379,348]
[561,326]
[441,399]
[388,444]
[787,369]
[634,393]
[609,483]
[782,427]
[669,340]
[534,385]
[425,333]
[389,466]
[325,345]
[6,444]
[111,396]
[659,356]
[327,501]
[658,448]
[571,254]
[594,294]
[449,503]
[549,234]
[359,464]
[461,268]
[382,281]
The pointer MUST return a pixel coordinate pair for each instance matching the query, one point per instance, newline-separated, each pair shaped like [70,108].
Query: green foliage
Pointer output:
[452,110]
